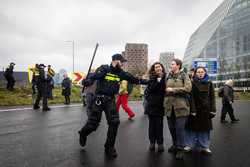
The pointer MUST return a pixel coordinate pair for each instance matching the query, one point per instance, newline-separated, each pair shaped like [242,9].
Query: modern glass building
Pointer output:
[225,35]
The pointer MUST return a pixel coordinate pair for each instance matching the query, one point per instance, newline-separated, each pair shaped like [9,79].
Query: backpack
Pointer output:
[221,92]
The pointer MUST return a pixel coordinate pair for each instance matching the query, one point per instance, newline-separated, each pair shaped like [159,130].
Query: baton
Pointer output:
[96,46]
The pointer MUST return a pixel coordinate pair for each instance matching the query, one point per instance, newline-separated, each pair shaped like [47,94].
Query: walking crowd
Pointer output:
[187,101]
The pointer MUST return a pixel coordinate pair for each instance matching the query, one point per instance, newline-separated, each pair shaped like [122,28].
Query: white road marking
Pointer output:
[30,108]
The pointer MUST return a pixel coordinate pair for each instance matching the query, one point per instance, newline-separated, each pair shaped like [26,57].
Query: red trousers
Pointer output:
[123,100]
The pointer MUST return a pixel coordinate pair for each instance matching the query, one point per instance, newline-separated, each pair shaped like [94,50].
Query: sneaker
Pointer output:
[111,152]
[235,121]
[152,147]
[206,151]
[130,117]
[160,148]
[172,149]
[82,139]
[179,155]
[187,149]
[223,121]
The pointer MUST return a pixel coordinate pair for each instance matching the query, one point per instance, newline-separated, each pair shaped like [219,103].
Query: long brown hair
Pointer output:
[152,69]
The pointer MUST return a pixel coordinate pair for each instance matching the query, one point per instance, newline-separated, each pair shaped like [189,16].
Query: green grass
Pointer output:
[23,96]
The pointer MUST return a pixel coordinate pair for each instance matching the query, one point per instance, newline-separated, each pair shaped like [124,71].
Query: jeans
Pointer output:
[177,130]
[197,139]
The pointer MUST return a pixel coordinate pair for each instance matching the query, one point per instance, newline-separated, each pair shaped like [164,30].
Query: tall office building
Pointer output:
[225,35]
[165,59]
[137,56]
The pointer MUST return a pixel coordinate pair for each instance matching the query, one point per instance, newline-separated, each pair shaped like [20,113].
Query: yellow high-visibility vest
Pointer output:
[112,77]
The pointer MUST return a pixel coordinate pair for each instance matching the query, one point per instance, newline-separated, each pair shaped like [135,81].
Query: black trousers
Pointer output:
[227,108]
[99,105]
[155,129]
[67,99]
[41,95]
[10,82]
[89,102]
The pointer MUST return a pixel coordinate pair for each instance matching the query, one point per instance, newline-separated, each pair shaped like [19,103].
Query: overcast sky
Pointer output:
[35,31]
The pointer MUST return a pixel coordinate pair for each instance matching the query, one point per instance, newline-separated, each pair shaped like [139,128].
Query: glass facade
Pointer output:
[229,41]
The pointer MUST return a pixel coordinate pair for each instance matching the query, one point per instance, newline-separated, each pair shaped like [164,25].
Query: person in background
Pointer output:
[50,75]
[122,99]
[66,88]
[142,90]
[35,74]
[42,87]
[177,108]
[154,94]
[202,111]
[8,74]
[227,103]
[191,73]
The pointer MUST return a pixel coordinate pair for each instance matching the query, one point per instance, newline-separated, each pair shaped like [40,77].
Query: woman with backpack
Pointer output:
[176,103]
[154,95]
[227,101]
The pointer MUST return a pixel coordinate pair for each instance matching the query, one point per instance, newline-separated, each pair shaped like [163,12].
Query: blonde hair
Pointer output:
[229,82]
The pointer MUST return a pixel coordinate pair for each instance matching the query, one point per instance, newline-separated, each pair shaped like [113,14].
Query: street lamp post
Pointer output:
[73,53]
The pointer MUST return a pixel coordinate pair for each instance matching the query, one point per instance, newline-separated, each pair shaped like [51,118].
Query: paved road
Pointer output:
[39,139]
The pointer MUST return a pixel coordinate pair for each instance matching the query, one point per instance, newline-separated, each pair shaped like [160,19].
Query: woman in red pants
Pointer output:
[122,99]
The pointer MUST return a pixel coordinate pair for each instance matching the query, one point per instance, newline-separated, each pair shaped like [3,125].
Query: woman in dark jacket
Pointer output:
[154,95]
[202,111]
[66,88]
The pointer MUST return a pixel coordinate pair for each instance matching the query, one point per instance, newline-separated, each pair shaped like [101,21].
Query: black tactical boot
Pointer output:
[111,152]
[152,147]
[179,155]
[172,149]
[82,139]
[46,109]
[160,148]
[235,121]
[36,107]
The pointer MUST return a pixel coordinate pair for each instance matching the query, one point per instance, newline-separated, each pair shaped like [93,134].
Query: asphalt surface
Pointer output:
[39,139]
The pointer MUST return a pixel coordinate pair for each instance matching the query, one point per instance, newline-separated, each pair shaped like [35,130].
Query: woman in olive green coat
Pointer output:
[177,107]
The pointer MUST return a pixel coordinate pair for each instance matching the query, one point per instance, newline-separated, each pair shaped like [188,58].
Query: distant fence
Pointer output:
[20,77]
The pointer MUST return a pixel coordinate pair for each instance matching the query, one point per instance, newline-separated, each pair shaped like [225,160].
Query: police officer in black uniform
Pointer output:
[107,86]
[8,74]
[42,87]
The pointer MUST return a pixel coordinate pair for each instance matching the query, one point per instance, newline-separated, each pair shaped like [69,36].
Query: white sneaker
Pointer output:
[207,151]
[187,149]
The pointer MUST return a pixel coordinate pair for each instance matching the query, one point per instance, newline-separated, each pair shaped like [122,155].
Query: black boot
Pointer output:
[235,121]
[152,147]
[160,148]
[179,155]
[46,109]
[172,149]
[35,107]
[82,139]
[111,152]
